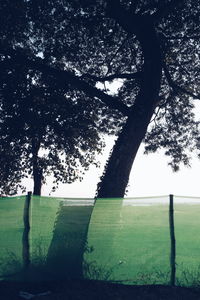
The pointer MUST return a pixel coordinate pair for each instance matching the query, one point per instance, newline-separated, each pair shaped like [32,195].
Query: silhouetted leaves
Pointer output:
[52,53]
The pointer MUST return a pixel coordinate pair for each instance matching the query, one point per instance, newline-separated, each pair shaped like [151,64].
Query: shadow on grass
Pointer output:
[12,269]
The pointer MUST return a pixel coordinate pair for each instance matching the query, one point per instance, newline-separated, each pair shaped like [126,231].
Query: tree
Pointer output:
[152,27]
[151,46]
[42,137]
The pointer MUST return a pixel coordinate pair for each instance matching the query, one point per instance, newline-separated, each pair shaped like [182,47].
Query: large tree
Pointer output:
[150,46]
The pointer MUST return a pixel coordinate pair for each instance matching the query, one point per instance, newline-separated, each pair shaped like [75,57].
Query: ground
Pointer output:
[95,290]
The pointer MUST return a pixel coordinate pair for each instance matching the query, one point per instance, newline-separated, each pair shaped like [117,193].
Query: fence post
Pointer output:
[173,241]
[25,237]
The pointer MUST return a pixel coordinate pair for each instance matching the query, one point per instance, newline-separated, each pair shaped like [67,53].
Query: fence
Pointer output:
[132,240]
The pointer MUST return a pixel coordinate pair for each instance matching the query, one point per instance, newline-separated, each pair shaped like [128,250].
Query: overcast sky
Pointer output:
[150,176]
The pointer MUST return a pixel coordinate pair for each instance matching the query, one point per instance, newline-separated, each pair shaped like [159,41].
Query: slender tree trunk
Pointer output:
[37,178]
[37,171]
[116,175]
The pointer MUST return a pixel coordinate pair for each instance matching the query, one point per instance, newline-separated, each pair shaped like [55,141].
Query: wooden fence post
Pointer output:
[173,241]
[25,237]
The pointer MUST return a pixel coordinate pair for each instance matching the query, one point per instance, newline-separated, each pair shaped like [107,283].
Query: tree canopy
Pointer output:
[69,47]
[40,136]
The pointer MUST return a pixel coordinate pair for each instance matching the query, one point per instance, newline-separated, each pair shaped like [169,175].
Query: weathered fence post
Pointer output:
[173,241]
[25,237]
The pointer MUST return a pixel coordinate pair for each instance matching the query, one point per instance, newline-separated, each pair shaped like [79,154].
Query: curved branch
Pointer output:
[136,75]
[64,78]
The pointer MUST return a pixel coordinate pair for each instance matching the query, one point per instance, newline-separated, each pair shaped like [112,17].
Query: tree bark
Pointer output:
[37,171]
[37,178]
[116,175]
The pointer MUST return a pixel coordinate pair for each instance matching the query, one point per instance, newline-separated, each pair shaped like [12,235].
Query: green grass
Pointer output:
[133,239]
[11,230]
[129,244]
[187,229]
[137,239]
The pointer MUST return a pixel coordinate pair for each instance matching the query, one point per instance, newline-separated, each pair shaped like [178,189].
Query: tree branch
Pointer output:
[136,75]
[64,78]
[116,52]
[176,87]
[133,6]
[164,9]
[195,37]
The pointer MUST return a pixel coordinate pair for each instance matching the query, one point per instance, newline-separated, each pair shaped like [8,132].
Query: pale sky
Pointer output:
[150,176]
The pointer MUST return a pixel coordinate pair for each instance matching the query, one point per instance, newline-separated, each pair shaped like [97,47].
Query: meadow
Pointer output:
[134,241]
[113,241]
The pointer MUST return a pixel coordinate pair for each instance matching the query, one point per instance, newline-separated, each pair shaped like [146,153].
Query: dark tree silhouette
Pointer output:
[40,137]
[150,46]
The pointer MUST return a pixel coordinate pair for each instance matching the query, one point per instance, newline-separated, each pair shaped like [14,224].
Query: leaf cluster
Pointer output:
[82,42]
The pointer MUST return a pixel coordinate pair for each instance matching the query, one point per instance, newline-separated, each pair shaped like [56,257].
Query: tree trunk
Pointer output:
[116,175]
[37,178]
[37,170]
[115,179]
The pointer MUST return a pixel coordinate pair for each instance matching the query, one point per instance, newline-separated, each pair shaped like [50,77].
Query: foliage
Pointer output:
[54,53]
[55,137]
[176,130]
[42,125]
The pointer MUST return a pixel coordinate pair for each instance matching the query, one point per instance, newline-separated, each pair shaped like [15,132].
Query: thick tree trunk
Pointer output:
[115,179]
[116,176]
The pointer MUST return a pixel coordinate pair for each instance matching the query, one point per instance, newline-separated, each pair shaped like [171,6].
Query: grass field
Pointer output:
[11,230]
[110,241]
[130,241]
[134,241]
[187,230]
